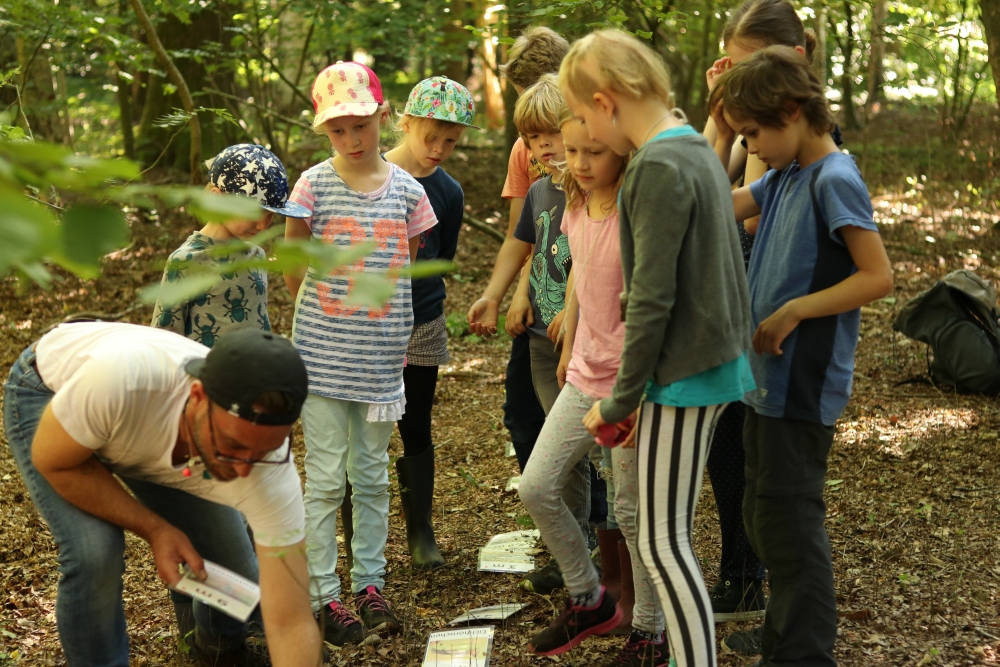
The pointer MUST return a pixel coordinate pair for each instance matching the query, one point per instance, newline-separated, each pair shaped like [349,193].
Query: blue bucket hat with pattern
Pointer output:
[253,171]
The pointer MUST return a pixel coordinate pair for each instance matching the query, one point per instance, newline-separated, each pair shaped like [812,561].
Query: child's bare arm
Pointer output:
[572,314]
[483,313]
[296,228]
[873,280]
[520,316]
[516,204]
[755,170]
[744,204]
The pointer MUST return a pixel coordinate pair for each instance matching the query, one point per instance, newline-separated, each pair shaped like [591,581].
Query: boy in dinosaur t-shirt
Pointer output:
[539,224]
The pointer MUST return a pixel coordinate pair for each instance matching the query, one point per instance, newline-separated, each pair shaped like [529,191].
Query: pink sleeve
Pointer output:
[518,179]
[303,194]
[421,218]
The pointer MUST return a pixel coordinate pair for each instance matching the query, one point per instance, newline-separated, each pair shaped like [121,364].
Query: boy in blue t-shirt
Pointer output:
[817,259]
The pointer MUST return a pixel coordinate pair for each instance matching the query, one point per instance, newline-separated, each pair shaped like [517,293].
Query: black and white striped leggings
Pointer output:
[672,449]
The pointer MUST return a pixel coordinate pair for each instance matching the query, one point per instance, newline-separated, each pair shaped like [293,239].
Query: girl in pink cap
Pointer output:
[353,352]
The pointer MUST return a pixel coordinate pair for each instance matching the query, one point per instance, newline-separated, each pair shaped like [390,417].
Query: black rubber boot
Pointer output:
[416,491]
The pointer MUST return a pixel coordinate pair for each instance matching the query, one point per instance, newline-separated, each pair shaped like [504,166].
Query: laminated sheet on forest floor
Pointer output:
[510,552]
[497,612]
[467,647]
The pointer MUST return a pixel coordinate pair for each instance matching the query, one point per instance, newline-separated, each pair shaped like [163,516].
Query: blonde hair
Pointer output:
[539,108]
[421,127]
[576,196]
[537,51]
[624,65]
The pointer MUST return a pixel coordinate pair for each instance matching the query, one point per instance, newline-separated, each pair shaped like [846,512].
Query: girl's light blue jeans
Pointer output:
[340,444]
[90,613]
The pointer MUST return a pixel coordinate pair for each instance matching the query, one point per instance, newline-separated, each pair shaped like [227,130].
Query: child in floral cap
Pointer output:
[353,353]
[437,112]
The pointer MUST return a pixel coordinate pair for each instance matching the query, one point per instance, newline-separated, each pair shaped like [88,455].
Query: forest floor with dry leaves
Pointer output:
[912,491]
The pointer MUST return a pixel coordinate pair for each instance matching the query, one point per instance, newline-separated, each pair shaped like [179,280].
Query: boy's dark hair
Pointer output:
[761,23]
[537,51]
[771,84]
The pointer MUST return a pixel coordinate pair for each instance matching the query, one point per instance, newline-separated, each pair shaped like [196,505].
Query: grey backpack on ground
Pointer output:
[957,317]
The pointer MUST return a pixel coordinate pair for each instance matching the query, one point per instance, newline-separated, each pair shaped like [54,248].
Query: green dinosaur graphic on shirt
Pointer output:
[548,277]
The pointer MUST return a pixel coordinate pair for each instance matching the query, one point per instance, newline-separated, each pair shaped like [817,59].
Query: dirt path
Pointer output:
[912,495]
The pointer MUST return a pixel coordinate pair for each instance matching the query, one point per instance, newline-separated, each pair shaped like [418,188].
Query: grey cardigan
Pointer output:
[688,307]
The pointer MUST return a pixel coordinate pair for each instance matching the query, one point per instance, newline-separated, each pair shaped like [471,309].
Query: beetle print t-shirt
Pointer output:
[238,299]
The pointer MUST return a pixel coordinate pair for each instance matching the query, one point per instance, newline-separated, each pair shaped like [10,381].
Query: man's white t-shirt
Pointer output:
[120,390]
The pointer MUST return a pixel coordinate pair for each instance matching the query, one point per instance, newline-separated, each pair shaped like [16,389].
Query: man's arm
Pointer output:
[76,475]
[293,638]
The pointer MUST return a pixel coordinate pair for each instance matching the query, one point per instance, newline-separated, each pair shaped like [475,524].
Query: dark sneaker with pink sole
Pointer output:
[575,624]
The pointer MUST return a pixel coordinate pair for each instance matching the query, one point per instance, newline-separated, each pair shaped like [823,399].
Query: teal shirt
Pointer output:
[722,384]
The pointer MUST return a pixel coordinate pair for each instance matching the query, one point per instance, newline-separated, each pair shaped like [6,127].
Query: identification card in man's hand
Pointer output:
[223,589]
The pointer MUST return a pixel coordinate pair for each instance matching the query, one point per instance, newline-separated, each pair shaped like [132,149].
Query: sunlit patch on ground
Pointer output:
[897,435]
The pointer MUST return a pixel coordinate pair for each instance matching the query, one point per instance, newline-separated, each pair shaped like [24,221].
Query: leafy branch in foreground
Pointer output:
[68,210]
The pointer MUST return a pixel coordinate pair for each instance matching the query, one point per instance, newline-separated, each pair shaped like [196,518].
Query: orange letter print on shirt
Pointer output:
[390,234]
[332,305]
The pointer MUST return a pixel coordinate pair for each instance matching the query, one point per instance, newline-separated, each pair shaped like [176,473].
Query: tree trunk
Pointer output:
[182,88]
[456,39]
[39,105]
[206,27]
[515,24]
[709,52]
[819,55]
[846,80]
[125,113]
[990,14]
[876,59]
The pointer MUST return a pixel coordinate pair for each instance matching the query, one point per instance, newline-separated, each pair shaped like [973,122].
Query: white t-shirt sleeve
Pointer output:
[273,505]
[91,405]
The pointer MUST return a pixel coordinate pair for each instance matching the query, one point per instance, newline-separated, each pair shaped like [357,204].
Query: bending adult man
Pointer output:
[195,434]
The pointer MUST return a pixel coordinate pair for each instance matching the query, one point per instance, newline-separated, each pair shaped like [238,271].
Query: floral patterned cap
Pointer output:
[250,170]
[345,89]
[443,99]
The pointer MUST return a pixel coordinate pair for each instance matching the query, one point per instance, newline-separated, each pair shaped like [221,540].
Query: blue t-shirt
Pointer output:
[438,242]
[540,225]
[798,251]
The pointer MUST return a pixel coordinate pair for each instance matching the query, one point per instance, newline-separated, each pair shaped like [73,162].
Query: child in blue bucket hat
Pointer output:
[436,114]
[239,298]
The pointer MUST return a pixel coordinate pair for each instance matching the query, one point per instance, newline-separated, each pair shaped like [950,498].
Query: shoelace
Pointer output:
[635,650]
[342,616]
[374,602]
[628,651]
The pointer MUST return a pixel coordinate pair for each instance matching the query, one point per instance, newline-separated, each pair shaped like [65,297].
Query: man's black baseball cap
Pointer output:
[246,363]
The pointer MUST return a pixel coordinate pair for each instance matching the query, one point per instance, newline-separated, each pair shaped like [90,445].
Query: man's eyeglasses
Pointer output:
[225,458]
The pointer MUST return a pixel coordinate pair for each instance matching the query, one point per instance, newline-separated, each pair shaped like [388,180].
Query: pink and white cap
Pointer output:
[345,89]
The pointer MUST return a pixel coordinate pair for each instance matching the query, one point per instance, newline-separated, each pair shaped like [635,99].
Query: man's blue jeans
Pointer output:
[90,613]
